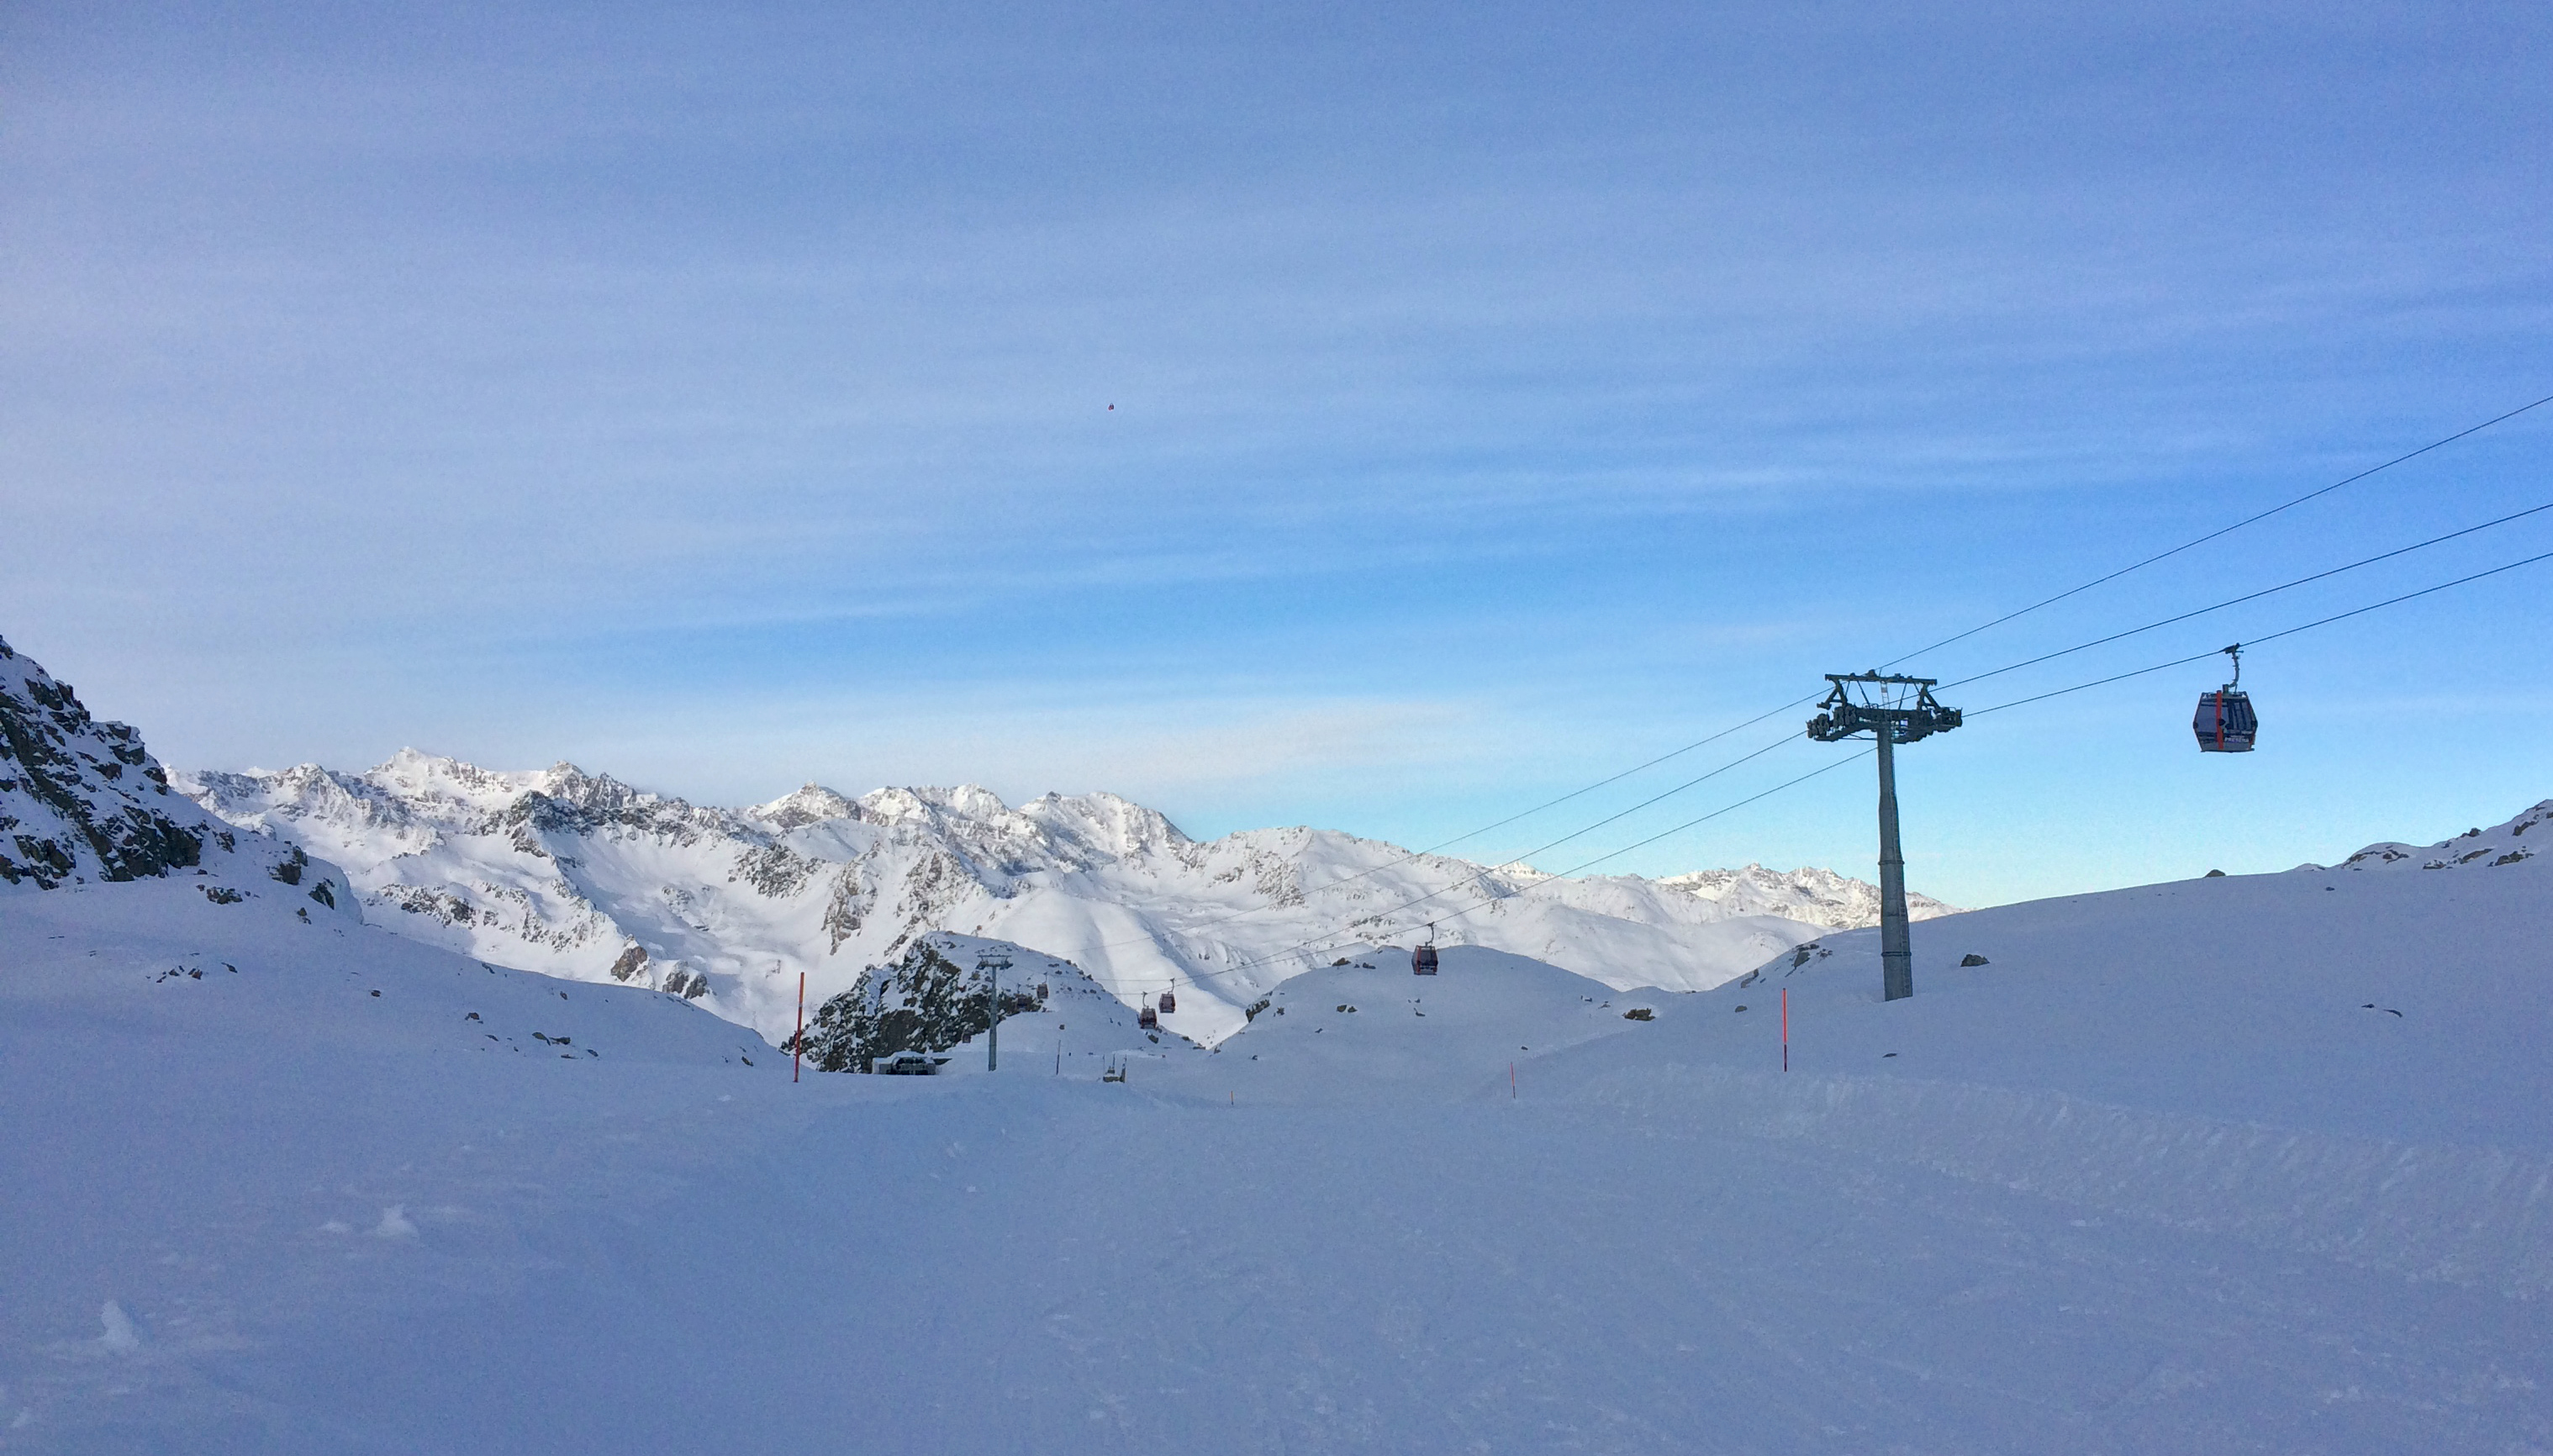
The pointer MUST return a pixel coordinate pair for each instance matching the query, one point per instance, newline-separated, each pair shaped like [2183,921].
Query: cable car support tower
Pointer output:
[1870,703]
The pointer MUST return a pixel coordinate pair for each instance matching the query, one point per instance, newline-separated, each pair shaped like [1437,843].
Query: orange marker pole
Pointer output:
[1786,1028]
[797,1043]
[1511,1091]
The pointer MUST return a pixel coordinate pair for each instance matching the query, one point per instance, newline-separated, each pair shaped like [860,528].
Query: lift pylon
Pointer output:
[1879,705]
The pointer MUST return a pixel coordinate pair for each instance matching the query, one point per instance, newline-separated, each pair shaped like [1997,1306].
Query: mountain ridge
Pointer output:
[580,874]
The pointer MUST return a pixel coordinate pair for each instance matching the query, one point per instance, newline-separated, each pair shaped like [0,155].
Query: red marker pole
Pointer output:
[1786,1028]
[797,1043]
[1511,1091]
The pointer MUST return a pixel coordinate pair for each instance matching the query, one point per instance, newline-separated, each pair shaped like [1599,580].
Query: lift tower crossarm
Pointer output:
[1877,704]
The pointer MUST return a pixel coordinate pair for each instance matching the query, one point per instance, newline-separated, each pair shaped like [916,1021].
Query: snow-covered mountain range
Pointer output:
[578,874]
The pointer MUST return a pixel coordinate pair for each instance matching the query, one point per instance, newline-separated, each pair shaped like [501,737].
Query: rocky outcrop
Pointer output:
[925,1002]
[82,801]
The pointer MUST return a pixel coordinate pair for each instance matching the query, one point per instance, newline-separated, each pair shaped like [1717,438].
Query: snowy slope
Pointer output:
[83,801]
[2410,1006]
[2154,1178]
[2347,1065]
[1348,1034]
[249,977]
[578,876]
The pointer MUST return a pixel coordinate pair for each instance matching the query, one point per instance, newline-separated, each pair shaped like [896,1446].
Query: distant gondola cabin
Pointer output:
[1422,962]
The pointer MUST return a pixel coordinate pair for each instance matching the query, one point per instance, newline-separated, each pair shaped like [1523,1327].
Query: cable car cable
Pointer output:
[2227,530]
[2247,596]
[1782,741]
[1998,707]
[2252,642]
[1406,856]
[1318,940]
[2079,687]
[2029,662]
[1617,778]
[2024,612]
[1585,866]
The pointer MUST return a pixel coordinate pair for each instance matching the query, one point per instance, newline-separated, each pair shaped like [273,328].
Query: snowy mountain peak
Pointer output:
[932,806]
[810,804]
[413,774]
[1116,827]
[1062,831]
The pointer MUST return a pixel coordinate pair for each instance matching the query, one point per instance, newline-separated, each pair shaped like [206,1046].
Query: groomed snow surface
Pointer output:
[2167,1174]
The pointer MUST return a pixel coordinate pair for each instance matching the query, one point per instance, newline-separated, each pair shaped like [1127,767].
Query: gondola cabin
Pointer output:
[1422,962]
[2225,722]
[1170,1002]
[1146,1018]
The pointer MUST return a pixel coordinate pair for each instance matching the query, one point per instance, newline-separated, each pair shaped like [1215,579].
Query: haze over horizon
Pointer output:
[1386,421]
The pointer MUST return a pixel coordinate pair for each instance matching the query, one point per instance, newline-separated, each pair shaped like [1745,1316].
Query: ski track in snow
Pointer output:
[2154,1178]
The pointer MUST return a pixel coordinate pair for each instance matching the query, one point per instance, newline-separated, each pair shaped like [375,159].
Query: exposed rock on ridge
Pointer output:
[2505,842]
[82,801]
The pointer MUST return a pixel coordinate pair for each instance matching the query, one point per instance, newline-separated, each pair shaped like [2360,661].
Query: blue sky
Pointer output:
[1504,396]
